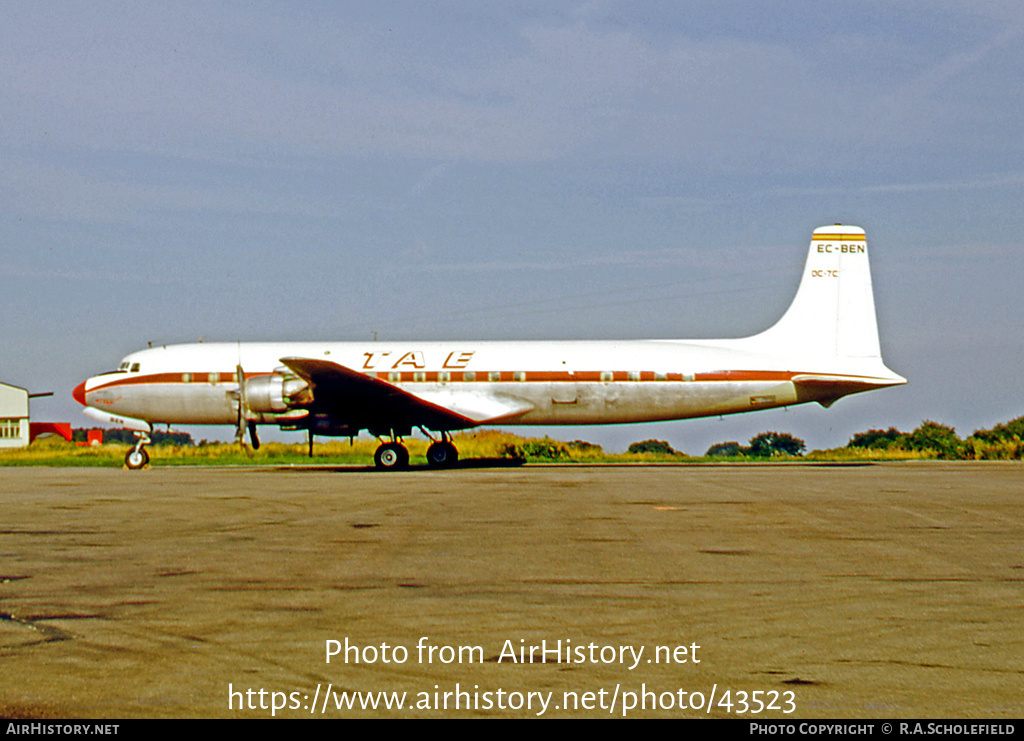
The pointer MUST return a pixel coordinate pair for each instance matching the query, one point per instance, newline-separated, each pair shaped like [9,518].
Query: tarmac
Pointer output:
[739,591]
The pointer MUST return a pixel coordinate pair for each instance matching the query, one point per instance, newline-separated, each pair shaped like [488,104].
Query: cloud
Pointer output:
[239,84]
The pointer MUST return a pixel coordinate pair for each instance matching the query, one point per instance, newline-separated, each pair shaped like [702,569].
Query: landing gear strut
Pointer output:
[137,457]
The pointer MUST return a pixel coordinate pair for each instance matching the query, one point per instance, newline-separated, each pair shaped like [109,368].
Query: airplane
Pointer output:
[823,348]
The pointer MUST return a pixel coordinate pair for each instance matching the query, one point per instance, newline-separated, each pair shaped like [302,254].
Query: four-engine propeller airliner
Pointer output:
[823,348]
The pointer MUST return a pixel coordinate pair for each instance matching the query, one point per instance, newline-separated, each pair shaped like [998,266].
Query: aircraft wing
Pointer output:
[357,398]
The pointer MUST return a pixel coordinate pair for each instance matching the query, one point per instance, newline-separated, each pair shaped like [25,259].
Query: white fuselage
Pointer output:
[528,383]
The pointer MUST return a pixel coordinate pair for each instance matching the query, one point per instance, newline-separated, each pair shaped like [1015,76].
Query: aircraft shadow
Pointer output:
[462,465]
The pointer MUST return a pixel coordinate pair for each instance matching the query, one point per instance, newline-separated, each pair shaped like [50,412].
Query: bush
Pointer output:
[769,444]
[989,450]
[512,452]
[940,439]
[724,450]
[584,449]
[546,449]
[877,439]
[654,447]
[1012,431]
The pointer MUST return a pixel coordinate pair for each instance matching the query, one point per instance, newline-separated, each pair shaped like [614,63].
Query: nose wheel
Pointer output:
[137,457]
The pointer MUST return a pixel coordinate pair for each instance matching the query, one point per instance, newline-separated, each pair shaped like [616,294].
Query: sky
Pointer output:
[532,170]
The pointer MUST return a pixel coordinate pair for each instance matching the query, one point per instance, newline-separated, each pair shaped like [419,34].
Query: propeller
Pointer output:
[243,415]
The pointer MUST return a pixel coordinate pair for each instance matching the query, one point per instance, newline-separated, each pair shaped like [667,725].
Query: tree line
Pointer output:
[932,439]
[1004,441]
[128,437]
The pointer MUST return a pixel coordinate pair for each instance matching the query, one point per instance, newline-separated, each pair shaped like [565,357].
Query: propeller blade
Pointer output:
[243,421]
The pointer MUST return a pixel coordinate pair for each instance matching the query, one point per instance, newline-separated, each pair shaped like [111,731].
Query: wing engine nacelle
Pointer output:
[321,424]
[276,393]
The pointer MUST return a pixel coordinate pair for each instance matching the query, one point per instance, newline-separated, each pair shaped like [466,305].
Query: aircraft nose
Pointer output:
[79,393]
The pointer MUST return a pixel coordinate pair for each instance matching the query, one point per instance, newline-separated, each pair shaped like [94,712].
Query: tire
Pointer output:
[442,455]
[391,457]
[136,459]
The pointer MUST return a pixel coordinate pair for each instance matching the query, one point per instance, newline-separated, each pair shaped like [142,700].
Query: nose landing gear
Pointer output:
[137,457]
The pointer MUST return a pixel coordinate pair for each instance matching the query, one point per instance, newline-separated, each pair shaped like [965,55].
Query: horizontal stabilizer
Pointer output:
[826,389]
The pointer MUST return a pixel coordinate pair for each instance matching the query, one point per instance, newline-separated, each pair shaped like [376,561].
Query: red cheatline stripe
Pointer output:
[502,377]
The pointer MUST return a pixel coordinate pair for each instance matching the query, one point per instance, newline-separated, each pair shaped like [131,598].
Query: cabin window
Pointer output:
[419,376]
[444,376]
[394,376]
[469,376]
[494,376]
[519,376]
[633,375]
[186,378]
[214,378]
[606,375]
[660,376]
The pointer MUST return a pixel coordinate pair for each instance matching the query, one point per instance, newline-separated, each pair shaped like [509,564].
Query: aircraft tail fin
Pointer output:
[833,312]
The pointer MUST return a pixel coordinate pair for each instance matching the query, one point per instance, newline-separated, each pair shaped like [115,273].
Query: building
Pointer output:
[14,429]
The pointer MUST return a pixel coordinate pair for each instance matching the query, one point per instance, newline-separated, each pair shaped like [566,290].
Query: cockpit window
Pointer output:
[135,368]
[123,366]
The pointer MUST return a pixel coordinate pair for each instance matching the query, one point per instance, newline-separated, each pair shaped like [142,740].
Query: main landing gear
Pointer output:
[137,457]
[442,454]
[393,456]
